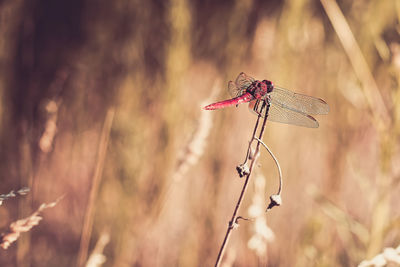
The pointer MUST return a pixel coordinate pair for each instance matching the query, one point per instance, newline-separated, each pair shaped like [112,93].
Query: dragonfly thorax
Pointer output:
[259,89]
[270,85]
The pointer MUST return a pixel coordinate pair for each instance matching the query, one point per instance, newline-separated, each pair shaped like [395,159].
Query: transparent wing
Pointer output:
[278,113]
[298,102]
[233,90]
[243,81]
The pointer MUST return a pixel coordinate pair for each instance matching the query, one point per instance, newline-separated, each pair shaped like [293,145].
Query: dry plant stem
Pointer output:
[381,116]
[251,141]
[88,222]
[357,60]
[277,165]
[233,222]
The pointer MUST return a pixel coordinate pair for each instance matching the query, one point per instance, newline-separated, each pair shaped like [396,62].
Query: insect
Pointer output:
[282,104]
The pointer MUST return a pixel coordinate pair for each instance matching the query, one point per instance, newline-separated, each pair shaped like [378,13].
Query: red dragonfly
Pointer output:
[282,105]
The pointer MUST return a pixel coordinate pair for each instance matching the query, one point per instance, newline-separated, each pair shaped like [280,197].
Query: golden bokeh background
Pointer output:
[101,102]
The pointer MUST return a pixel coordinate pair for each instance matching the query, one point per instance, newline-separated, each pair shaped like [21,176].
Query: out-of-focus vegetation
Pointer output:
[165,187]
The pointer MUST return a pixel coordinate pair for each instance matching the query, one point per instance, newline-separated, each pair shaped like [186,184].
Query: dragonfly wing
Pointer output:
[298,102]
[233,90]
[278,113]
[243,81]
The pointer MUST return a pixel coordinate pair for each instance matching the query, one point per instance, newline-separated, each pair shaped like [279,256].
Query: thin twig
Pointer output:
[232,223]
[361,69]
[251,141]
[275,200]
[243,169]
[277,165]
[88,222]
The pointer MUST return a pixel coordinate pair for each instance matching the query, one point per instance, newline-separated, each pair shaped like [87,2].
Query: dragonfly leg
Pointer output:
[257,109]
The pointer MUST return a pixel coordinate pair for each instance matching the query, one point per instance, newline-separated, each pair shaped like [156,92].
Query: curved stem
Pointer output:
[232,222]
[277,165]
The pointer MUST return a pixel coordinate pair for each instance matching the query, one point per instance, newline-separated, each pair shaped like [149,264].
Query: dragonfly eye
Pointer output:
[269,84]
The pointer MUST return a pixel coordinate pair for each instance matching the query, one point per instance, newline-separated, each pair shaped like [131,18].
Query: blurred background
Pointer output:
[101,102]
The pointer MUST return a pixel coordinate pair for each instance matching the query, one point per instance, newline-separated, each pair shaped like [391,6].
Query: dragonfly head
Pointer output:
[270,85]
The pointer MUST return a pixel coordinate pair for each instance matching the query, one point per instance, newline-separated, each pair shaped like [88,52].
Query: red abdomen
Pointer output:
[247,97]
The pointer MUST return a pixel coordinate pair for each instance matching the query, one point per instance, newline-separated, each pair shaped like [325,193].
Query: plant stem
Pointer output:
[233,222]
[101,155]
[276,163]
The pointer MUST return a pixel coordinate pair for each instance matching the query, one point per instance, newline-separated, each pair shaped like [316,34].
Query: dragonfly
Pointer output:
[283,105]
